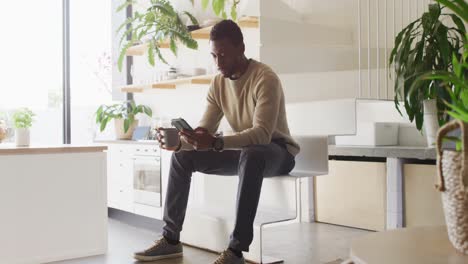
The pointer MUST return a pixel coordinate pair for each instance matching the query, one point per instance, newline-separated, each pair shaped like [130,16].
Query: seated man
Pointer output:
[249,94]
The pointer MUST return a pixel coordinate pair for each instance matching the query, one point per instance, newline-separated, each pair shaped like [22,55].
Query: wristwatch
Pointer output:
[218,144]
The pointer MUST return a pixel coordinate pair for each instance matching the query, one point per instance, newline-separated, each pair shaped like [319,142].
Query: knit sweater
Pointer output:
[253,106]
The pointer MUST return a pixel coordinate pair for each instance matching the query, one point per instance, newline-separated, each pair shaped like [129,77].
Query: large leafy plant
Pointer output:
[220,6]
[455,81]
[159,23]
[23,118]
[125,110]
[426,44]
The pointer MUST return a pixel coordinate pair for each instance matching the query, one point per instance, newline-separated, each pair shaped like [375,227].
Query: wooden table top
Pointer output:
[428,245]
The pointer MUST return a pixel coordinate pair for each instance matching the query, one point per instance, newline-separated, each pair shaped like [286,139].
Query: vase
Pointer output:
[22,137]
[119,129]
[431,123]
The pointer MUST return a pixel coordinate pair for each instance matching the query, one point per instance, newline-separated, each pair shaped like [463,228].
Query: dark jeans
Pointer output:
[251,163]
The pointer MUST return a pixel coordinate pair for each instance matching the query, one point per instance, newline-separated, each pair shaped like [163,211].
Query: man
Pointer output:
[249,94]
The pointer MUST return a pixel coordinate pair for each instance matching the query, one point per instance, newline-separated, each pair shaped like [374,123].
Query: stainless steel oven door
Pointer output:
[147,180]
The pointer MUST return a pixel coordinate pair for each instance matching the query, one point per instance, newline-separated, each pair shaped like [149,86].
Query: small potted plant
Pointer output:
[124,117]
[424,45]
[22,120]
[3,130]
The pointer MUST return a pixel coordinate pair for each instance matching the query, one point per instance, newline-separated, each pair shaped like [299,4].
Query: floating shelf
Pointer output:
[169,84]
[203,33]
[133,89]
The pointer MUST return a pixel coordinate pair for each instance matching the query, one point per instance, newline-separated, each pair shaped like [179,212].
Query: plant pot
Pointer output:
[3,134]
[22,137]
[119,129]
[453,185]
[431,124]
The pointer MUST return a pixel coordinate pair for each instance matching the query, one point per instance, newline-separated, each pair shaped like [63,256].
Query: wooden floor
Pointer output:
[301,243]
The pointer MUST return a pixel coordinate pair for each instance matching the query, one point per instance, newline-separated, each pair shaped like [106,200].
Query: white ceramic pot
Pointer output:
[22,137]
[431,124]
[119,129]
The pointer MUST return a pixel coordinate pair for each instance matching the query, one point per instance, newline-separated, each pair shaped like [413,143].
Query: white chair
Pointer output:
[210,221]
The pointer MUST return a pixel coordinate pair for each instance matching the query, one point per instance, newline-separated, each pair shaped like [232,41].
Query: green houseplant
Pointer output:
[160,22]
[454,80]
[452,165]
[124,116]
[22,121]
[426,44]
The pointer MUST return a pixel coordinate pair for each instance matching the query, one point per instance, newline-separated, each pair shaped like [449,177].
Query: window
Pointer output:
[31,65]
[90,65]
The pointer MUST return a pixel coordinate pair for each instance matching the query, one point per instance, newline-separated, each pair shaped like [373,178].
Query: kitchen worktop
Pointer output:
[408,152]
[12,149]
[57,192]
[119,141]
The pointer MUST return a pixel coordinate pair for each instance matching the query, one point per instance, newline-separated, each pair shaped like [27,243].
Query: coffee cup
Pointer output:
[170,137]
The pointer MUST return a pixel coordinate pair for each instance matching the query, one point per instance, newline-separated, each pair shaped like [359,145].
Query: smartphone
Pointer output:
[180,124]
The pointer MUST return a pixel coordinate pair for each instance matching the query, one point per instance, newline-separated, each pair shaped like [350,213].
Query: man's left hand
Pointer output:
[200,138]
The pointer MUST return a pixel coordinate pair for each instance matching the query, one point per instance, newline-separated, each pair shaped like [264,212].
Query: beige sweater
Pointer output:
[253,106]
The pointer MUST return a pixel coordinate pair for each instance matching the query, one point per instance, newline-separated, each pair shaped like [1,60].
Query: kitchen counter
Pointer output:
[54,197]
[423,153]
[118,141]
[394,157]
[403,152]
[11,149]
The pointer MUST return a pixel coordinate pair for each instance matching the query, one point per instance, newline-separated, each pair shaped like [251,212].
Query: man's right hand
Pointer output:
[160,138]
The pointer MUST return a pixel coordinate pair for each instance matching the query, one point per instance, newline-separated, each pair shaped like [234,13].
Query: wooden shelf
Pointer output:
[203,33]
[248,22]
[172,84]
[133,88]
[169,84]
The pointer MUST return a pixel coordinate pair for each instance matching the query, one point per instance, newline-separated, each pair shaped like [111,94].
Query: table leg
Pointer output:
[394,193]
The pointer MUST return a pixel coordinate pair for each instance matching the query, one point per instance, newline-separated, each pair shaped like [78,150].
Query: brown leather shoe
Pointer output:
[228,257]
[160,250]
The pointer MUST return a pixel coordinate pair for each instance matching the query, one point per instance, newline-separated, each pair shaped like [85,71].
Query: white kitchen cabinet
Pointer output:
[352,194]
[120,177]
[122,181]
[422,202]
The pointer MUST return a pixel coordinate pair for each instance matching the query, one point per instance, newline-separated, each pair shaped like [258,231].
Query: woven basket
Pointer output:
[453,183]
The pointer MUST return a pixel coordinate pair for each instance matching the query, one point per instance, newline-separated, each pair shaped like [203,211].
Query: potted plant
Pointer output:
[22,120]
[424,45]
[3,127]
[3,130]
[159,23]
[124,117]
[452,164]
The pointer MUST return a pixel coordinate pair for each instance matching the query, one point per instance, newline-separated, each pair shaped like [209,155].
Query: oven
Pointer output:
[147,177]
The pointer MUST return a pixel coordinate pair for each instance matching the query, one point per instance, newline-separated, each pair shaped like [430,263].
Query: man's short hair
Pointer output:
[227,29]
